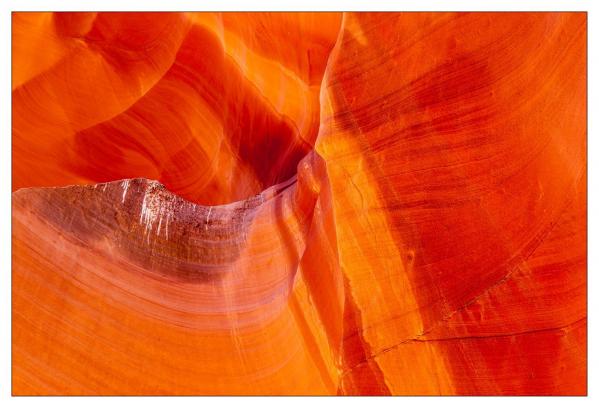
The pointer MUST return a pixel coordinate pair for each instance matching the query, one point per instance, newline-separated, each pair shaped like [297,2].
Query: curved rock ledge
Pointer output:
[355,204]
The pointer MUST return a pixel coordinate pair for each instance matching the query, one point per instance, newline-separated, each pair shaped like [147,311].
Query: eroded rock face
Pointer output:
[299,204]
[212,106]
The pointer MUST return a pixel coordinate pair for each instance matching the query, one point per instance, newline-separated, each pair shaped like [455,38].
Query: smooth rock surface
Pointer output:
[291,204]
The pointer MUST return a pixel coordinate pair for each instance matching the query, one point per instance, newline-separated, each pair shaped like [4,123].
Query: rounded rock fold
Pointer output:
[290,203]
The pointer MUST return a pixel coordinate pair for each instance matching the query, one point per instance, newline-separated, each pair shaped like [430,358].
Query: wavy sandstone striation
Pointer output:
[345,203]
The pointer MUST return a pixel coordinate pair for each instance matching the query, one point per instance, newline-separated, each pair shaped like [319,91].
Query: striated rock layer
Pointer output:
[351,204]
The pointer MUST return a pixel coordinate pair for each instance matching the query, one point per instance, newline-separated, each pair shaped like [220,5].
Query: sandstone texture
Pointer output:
[299,204]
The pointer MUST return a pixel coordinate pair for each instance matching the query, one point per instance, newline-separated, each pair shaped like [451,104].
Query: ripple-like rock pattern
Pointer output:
[290,203]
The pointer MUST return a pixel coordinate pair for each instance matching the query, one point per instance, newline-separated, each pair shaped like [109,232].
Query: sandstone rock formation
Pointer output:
[289,204]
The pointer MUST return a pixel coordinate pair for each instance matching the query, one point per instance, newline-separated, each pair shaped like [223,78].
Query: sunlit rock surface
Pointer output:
[355,204]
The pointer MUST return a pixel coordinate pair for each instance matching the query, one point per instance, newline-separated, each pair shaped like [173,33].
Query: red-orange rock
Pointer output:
[346,204]
[213,108]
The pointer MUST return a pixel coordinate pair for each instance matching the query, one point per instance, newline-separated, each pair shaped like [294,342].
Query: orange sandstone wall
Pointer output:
[292,203]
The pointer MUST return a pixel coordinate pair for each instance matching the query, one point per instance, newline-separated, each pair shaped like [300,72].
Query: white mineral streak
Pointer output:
[155,211]
[125,185]
[168,220]
[159,226]
[208,218]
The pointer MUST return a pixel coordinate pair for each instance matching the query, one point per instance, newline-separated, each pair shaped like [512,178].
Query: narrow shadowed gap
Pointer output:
[264,146]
